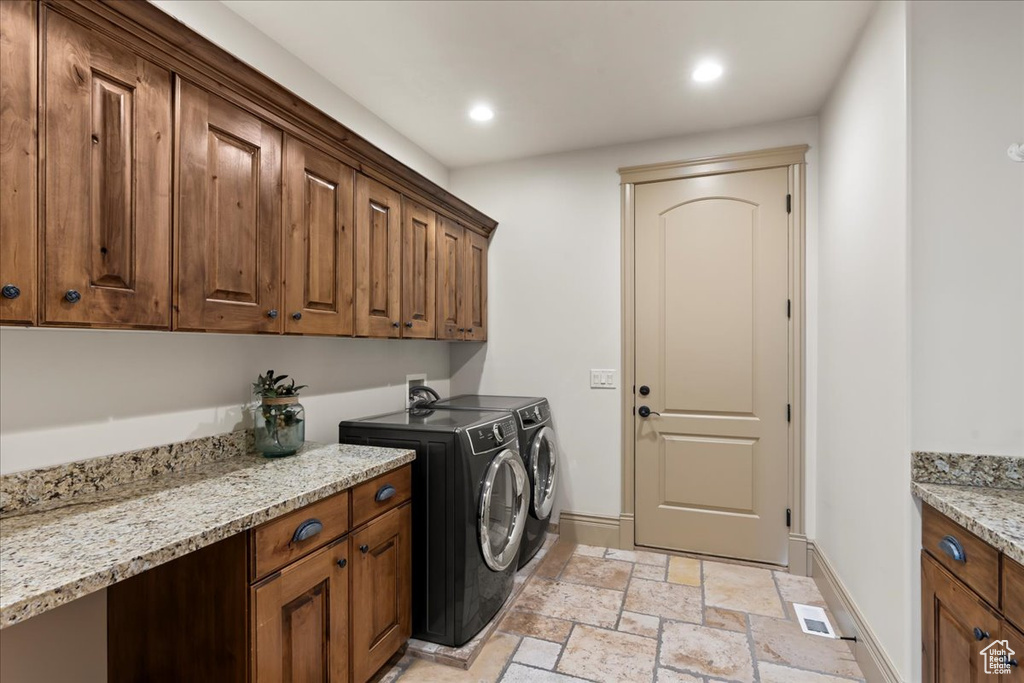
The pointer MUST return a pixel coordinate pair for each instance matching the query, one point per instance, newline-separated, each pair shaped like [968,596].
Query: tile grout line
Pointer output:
[750,646]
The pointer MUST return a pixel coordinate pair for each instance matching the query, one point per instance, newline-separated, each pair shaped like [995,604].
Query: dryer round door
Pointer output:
[504,504]
[543,471]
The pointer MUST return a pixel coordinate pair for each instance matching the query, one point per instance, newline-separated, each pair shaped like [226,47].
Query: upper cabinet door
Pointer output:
[107,139]
[228,217]
[318,241]
[18,91]
[475,298]
[451,266]
[378,247]
[419,271]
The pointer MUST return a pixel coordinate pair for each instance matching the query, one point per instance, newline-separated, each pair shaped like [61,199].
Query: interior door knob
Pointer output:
[644,411]
[644,390]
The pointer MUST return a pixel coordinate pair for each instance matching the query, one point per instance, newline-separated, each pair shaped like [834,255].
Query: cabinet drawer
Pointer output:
[1013,593]
[969,558]
[380,494]
[288,538]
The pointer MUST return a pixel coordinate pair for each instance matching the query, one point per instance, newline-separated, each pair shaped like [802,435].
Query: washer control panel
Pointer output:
[498,434]
[534,415]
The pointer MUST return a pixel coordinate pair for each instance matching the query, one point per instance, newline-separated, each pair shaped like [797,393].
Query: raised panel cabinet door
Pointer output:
[228,227]
[106,215]
[956,627]
[18,92]
[378,259]
[475,298]
[451,266]
[301,619]
[381,590]
[318,241]
[419,271]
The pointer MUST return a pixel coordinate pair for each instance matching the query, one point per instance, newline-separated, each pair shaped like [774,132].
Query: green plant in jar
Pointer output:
[280,418]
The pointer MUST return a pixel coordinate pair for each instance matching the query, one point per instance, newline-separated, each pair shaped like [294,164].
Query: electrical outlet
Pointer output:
[602,379]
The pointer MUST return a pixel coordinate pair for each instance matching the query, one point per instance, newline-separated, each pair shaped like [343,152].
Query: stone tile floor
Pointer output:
[598,614]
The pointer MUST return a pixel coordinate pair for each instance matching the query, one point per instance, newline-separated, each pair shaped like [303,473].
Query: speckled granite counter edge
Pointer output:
[59,484]
[966,469]
[1010,547]
[34,605]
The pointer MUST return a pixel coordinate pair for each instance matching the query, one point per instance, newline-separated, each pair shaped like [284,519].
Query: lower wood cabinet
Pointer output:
[969,624]
[337,611]
[302,619]
[381,590]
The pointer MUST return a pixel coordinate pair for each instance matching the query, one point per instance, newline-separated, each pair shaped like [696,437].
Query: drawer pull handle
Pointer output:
[307,530]
[953,548]
[385,492]
[979,634]
[364,549]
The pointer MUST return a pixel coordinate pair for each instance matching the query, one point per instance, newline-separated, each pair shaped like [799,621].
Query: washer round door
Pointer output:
[543,471]
[504,504]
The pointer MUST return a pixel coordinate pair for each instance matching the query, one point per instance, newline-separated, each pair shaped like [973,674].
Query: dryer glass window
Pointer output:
[503,508]
[543,472]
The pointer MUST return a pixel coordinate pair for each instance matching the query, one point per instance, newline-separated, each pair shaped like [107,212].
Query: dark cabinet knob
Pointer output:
[462,329]
[644,390]
[979,634]
[272,313]
[342,563]
[1012,662]
[395,324]
[72,296]
[469,330]
[409,324]
[11,292]
[364,549]
[296,315]
[644,411]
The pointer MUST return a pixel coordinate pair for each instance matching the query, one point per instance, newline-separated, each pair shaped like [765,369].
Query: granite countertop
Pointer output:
[51,555]
[993,514]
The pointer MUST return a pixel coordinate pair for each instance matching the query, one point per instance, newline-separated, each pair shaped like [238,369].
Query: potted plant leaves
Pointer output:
[280,418]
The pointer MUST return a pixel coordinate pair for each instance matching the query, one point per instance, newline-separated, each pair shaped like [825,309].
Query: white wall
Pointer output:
[232,33]
[865,515]
[967,207]
[73,394]
[555,291]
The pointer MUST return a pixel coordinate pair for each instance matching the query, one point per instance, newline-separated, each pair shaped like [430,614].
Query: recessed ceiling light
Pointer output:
[707,71]
[481,112]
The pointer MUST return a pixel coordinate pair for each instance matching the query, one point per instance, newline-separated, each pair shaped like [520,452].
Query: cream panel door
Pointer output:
[712,338]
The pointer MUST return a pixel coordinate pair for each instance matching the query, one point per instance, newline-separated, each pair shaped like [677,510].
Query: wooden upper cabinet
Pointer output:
[956,625]
[318,241]
[106,140]
[18,189]
[475,298]
[381,590]
[451,278]
[378,257]
[228,227]
[302,620]
[419,271]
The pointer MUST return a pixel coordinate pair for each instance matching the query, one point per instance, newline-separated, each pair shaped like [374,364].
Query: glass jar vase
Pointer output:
[280,426]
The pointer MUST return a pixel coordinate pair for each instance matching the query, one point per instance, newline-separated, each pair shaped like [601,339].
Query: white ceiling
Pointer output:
[566,75]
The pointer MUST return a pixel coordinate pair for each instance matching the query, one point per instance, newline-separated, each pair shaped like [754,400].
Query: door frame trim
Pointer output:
[793,158]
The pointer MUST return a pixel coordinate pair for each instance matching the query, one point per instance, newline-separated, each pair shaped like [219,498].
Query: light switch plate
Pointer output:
[602,379]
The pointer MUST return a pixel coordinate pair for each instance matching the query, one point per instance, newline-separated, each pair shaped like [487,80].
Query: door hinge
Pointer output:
[789,518]
[789,203]
[789,308]
[789,412]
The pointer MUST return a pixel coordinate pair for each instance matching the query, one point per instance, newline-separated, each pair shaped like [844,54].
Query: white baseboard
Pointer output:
[872,658]
[580,527]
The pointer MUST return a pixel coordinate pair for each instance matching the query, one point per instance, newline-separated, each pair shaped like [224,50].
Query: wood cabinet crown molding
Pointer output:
[160,38]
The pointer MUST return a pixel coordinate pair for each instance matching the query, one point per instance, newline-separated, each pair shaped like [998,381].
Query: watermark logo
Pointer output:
[997,657]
